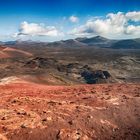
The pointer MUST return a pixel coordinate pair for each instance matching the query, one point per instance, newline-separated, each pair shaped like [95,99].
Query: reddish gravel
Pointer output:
[35,112]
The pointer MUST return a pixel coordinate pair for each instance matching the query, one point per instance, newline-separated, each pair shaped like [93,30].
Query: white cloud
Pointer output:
[134,16]
[34,29]
[113,25]
[74,19]
[133,30]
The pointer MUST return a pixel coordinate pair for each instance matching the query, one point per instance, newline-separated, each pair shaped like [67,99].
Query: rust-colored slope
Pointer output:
[1,47]
[7,52]
[36,112]
[16,52]
[3,54]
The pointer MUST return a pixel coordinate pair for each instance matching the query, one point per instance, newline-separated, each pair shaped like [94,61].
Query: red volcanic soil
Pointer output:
[16,52]
[3,54]
[35,112]
[6,52]
[1,47]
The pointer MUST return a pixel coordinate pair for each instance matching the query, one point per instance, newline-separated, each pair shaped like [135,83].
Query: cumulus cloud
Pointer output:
[133,30]
[73,19]
[34,29]
[113,25]
[134,16]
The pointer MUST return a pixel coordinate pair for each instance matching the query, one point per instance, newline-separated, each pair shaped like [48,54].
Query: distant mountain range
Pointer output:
[97,41]
[127,44]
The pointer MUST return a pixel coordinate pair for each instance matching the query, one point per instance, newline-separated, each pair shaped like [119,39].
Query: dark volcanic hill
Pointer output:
[126,44]
[115,44]
[94,40]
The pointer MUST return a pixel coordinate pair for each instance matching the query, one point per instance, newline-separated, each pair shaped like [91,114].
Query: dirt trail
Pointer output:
[86,112]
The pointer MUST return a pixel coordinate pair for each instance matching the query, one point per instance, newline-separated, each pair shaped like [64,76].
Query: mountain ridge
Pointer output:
[97,41]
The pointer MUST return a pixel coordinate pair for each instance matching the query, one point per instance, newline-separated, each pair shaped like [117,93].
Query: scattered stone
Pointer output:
[108,98]
[44,111]
[89,117]
[3,118]
[23,126]
[22,112]
[70,122]
[14,101]
[60,103]
[44,119]
[125,97]
[137,95]
[72,102]
[49,118]
[4,128]
[52,103]
[92,91]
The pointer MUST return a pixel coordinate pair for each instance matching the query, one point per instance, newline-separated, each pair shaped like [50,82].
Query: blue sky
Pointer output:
[50,20]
